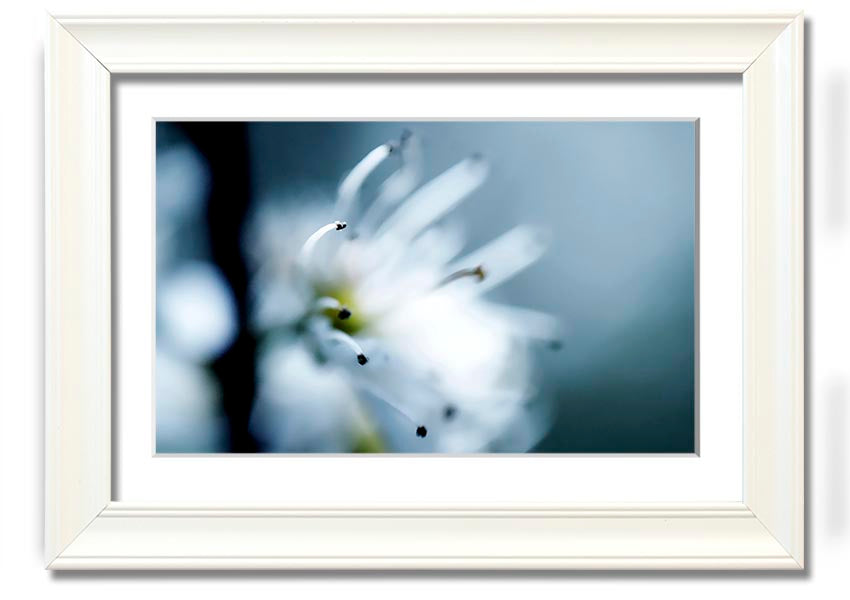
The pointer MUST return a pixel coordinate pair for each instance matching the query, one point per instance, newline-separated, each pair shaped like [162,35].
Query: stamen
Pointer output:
[421,431]
[305,255]
[507,255]
[398,185]
[449,412]
[341,337]
[349,189]
[373,393]
[477,272]
[327,303]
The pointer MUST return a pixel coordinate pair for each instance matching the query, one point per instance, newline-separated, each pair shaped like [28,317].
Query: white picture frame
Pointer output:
[85,529]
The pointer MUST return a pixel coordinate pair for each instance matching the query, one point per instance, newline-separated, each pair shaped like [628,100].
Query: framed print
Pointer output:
[454,346]
[418,297]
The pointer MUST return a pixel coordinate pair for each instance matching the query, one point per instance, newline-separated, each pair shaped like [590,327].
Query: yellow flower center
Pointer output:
[351,320]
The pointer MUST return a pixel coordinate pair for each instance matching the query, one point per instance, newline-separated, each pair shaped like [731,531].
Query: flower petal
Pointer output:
[434,199]
[525,322]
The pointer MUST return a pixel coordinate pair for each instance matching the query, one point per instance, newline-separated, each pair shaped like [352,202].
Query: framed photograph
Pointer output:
[425,292]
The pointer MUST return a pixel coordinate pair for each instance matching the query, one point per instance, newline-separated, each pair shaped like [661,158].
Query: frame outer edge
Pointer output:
[559,43]
[428,564]
[774,354]
[77,289]
[624,536]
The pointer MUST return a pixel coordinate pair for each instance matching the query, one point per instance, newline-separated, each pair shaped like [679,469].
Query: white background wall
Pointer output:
[21,329]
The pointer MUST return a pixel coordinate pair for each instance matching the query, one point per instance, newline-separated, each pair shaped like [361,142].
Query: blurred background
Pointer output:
[617,197]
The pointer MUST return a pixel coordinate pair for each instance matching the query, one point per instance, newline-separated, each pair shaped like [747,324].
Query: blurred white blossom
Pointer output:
[377,334]
[182,186]
[195,311]
[188,417]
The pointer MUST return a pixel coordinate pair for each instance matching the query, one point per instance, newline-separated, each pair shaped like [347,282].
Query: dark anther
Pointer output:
[343,314]
[477,272]
[448,412]
[421,431]
[340,225]
[361,358]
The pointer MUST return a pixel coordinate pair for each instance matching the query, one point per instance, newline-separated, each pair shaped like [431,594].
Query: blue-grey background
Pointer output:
[619,199]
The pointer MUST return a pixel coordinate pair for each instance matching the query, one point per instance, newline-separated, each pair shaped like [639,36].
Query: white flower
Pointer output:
[196,315]
[199,331]
[182,187]
[378,329]
[187,414]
